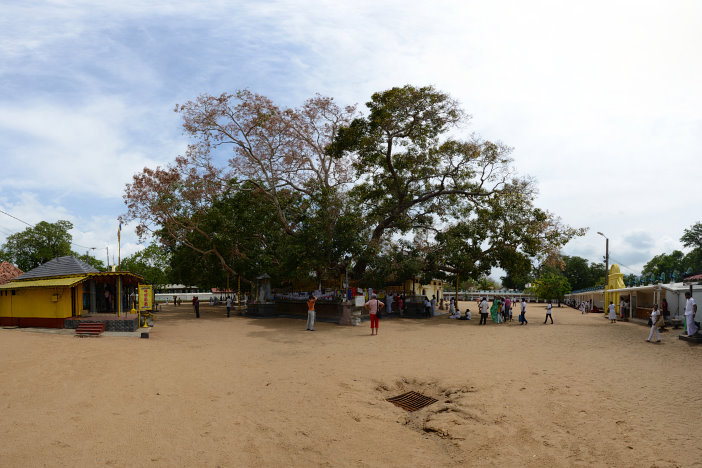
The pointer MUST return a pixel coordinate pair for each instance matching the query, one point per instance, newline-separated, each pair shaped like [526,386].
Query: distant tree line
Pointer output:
[676,265]
[40,243]
[45,241]
[562,274]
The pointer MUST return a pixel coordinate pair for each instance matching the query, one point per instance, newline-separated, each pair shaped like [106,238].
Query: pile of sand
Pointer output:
[264,392]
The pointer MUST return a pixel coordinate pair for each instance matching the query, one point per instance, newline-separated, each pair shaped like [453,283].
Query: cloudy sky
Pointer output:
[601,100]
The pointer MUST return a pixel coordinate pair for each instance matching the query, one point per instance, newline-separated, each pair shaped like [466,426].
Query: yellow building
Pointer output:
[63,288]
[416,288]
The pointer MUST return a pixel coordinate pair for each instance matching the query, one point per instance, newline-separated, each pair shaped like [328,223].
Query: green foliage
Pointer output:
[664,263]
[678,262]
[486,283]
[240,229]
[38,244]
[630,279]
[550,286]
[90,260]
[692,237]
[581,274]
[152,263]
[319,191]
[414,176]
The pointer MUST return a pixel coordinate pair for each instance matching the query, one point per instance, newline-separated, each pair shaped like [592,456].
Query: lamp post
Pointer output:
[606,268]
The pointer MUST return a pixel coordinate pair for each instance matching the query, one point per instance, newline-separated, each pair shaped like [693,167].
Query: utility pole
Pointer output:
[606,269]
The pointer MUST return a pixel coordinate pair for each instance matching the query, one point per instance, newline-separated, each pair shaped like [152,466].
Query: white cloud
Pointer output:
[89,151]
[600,99]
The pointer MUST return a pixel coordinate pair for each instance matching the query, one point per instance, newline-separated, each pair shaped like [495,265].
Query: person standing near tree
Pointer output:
[523,314]
[690,311]
[373,307]
[229,306]
[311,312]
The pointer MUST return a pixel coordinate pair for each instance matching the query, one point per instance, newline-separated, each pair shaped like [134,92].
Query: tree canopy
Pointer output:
[322,190]
[550,285]
[677,263]
[38,244]
[152,263]
[582,274]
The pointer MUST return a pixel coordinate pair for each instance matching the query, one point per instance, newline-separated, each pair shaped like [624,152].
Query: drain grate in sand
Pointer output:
[412,401]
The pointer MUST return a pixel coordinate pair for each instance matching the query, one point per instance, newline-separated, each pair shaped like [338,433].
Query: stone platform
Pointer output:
[125,323]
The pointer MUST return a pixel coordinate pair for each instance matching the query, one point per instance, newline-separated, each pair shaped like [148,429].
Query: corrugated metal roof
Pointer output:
[45,283]
[61,266]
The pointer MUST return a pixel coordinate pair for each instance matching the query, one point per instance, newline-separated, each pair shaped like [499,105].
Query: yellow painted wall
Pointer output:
[37,302]
[614,281]
[434,288]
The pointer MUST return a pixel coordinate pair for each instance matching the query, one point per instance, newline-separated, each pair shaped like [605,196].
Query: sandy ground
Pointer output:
[221,392]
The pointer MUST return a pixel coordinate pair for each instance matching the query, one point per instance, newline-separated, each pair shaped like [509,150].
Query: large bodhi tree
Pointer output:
[459,196]
[345,190]
[244,146]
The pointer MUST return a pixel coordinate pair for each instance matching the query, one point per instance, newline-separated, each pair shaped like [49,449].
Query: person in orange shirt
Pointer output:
[311,312]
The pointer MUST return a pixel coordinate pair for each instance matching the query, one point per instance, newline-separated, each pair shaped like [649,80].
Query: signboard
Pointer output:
[145,297]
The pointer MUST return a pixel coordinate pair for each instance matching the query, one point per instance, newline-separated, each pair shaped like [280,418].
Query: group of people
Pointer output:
[430,306]
[196,305]
[455,312]
[585,307]
[501,311]
[657,320]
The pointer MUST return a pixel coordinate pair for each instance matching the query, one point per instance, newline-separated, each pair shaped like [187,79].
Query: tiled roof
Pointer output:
[60,266]
[8,272]
[694,278]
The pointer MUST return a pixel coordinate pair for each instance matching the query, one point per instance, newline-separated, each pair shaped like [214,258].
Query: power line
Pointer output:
[31,225]
[15,217]
[622,265]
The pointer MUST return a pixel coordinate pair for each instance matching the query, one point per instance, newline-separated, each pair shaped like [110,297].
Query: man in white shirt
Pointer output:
[484,307]
[690,311]
[548,312]
[229,306]
[523,314]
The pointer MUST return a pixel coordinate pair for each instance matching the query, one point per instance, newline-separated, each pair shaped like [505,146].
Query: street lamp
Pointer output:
[606,267]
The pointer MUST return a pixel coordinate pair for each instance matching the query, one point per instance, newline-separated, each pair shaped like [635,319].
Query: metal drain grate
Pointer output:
[412,401]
